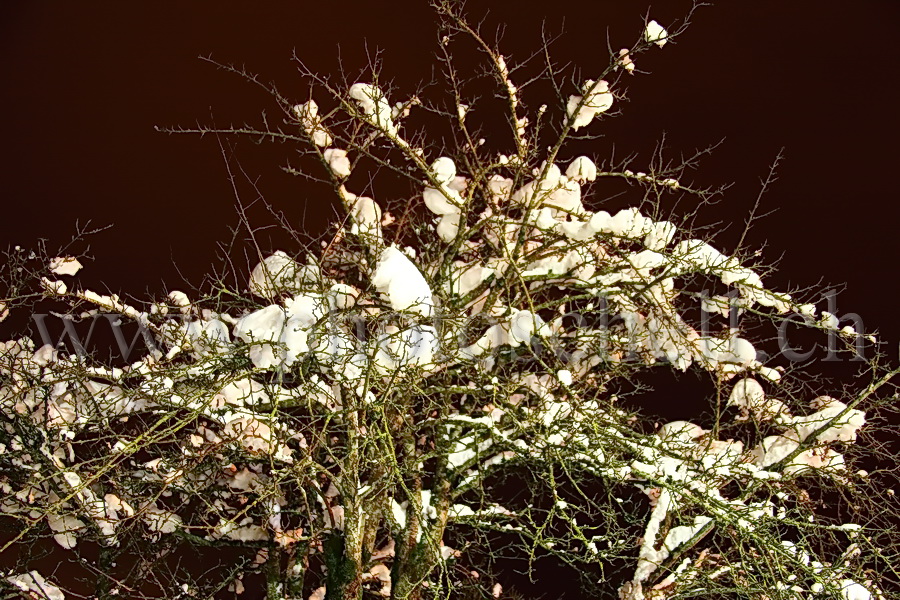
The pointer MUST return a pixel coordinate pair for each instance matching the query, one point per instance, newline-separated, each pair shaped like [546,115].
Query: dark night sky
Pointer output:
[84,84]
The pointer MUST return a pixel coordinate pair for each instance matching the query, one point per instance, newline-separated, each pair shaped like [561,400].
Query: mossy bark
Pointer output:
[344,579]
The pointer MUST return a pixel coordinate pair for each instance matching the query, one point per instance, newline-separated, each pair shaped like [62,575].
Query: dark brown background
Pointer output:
[84,84]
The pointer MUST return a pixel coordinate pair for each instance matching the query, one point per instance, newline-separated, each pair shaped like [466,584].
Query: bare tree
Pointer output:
[442,398]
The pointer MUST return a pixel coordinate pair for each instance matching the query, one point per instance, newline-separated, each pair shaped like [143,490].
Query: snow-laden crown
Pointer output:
[520,309]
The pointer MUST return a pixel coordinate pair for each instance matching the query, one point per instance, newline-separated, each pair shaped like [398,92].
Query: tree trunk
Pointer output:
[344,579]
[406,584]
[274,585]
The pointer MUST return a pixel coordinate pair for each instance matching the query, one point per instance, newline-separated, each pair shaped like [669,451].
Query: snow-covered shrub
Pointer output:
[354,417]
